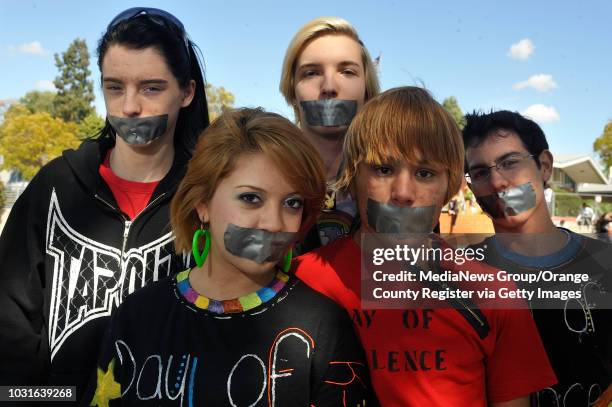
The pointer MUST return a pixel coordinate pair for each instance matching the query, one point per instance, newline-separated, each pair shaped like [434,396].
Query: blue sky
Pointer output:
[551,59]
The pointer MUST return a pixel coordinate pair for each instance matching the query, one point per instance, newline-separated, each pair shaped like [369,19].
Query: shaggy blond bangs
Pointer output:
[403,123]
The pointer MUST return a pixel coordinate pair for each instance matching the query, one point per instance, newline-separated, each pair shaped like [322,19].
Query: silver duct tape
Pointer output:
[139,130]
[329,112]
[509,202]
[258,245]
[387,218]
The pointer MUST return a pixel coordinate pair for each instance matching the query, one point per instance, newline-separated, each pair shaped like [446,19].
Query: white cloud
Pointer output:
[33,48]
[541,82]
[45,85]
[541,113]
[522,49]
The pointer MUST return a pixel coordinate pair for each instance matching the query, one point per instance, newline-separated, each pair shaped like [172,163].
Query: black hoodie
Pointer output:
[68,257]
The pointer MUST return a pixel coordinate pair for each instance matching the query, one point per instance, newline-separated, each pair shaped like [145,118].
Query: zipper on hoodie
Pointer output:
[126,222]
[465,306]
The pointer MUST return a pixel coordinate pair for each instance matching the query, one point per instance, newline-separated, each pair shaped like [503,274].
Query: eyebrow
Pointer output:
[317,65]
[264,191]
[345,63]
[251,187]
[143,82]
[497,160]
[309,65]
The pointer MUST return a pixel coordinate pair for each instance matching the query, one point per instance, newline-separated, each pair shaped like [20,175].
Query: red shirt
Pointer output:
[432,357]
[131,196]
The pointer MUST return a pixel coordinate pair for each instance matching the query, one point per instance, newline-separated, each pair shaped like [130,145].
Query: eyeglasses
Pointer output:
[156,15]
[480,175]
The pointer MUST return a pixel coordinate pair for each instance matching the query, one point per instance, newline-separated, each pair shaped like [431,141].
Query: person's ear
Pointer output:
[546,165]
[202,210]
[188,93]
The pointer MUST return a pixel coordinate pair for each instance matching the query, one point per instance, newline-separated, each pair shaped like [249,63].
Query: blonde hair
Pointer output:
[316,28]
[235,133]
[399,124]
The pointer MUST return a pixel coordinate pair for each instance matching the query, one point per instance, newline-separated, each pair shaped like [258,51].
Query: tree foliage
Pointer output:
[29,141]
[2,197]
[16,109]
[603,145]
[75,96]
[38,102]
[218,99]
[452,106]
[90,126]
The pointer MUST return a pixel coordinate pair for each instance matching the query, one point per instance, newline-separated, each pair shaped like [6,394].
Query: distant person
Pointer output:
[549,196]
[453,211]
[327,75]
[93,224]
[508,163]
[585,217]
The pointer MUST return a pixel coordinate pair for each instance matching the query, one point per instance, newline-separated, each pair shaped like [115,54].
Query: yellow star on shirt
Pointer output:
[107,388]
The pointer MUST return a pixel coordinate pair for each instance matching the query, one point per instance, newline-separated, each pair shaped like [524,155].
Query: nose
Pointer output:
[497,181]
[271,219]
[329,88]
[131,104]
[402,189]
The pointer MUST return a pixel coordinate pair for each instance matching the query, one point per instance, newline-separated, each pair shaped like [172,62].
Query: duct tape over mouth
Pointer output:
[387,218]
[139,130]
[258,245]
[329,112]
[509,202]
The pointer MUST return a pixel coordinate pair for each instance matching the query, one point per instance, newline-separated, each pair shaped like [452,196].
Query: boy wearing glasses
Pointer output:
[507,164]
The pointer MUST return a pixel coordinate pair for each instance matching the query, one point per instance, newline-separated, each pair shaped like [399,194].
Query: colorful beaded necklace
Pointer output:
[240,304]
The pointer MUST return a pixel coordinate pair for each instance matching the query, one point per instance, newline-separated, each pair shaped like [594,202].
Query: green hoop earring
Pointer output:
[200,258]
[287,260]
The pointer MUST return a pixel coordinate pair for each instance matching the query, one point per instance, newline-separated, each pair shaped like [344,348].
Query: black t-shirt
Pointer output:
[296,348]
[577,338]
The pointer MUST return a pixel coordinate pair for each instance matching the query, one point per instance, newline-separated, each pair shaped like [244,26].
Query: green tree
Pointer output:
[38,102]
[14,110]
[75,96]
[29,141]
[452,106]
[218,99]
[2,197]
[603,145]
[90,126]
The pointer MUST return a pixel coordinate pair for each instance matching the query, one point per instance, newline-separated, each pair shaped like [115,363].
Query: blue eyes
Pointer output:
[310,73]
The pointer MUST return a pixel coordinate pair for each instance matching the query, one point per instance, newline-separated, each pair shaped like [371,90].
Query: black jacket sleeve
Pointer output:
[24,350]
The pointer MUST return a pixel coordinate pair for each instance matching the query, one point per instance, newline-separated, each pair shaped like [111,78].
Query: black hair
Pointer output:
[479,126]
[601,226]
[183,61]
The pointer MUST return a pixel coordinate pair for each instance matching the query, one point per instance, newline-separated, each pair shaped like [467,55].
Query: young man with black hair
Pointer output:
[507,163]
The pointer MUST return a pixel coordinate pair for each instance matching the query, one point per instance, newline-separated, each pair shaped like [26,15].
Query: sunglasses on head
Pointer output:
[156,15]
